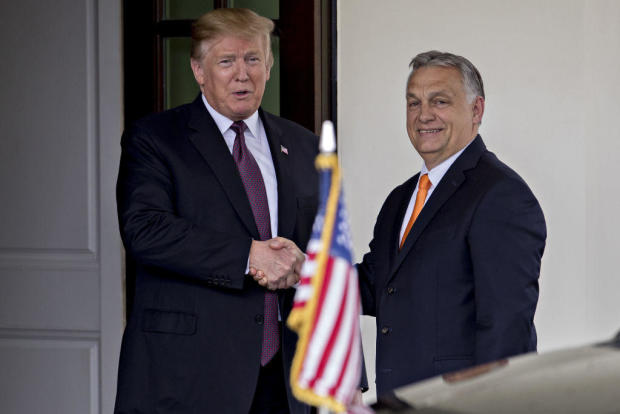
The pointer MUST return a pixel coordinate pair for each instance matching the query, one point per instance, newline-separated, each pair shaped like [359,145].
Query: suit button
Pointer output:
[385,330]
[259,319]
[391,290]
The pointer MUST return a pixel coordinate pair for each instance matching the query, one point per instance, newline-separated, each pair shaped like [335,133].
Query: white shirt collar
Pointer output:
[223,123]
[436,174]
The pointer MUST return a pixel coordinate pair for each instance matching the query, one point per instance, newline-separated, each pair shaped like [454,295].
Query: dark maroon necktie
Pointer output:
[255,189]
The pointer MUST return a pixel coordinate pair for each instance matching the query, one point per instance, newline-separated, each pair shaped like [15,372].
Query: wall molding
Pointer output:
[48,259]
[61,335]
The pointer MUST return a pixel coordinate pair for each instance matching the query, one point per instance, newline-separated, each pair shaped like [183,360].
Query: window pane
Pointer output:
[267,8]
[186,9]
[271,98]
[179,84]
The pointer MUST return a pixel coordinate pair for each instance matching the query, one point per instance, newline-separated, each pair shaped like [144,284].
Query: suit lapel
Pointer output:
[450,182]
[286,192]
[211,145]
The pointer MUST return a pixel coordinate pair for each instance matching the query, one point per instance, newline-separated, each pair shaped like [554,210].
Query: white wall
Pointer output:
[551,71]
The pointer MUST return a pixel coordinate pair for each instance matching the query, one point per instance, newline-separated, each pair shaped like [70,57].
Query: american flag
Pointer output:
[327,364]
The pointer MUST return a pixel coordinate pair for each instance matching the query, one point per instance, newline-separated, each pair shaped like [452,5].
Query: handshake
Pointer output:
[276,263]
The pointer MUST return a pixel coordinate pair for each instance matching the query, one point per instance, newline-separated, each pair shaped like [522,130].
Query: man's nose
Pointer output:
[242,71]
[426,113]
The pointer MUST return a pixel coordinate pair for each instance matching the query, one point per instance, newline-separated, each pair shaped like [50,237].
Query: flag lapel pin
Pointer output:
[284,149]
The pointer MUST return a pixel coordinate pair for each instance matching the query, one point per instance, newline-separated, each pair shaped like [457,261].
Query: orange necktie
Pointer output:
[423,187]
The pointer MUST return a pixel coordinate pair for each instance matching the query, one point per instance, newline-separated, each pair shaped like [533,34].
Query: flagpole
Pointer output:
[327,145]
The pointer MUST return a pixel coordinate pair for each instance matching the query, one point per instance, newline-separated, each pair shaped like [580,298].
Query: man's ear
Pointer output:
[478,109]
[268,72]
[198,71]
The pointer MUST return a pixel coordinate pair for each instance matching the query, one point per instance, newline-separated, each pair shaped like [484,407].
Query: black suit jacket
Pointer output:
[463,289]
[193,340]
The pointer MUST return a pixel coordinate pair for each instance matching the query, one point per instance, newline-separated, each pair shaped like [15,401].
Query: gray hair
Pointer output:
[472,81]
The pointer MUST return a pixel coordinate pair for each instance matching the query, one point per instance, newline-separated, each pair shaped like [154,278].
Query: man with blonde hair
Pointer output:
[208,193]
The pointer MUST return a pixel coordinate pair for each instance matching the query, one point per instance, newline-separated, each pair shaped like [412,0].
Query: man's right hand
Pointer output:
[275,263]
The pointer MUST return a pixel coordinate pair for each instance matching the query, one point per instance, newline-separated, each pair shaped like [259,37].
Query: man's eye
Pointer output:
[413,104]
[225,62]
[440,102]
[253,59]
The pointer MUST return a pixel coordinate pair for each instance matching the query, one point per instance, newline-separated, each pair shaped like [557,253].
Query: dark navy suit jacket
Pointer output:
[463,289]
[193,340]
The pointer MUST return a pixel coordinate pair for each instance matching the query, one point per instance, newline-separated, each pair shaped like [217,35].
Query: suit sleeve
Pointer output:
[365,270]
[507,240]
[155,235]
[368,268]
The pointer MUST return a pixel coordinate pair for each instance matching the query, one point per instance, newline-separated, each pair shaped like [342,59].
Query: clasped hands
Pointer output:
[276,263]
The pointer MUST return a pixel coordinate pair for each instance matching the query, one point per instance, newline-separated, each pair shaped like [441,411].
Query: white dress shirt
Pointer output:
[259,147]
[256,141]
[435,175]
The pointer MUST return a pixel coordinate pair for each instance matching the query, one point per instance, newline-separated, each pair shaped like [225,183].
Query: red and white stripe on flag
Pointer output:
[332,366]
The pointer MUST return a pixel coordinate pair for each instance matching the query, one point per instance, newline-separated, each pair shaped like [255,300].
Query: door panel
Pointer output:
[60,253]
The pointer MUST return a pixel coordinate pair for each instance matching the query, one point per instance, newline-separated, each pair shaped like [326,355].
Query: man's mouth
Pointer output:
[241,94]
[429,131]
